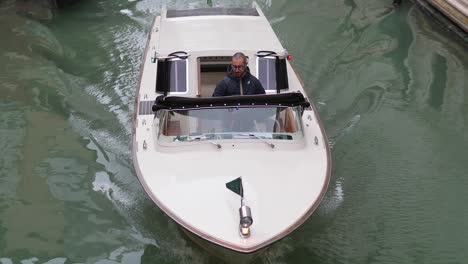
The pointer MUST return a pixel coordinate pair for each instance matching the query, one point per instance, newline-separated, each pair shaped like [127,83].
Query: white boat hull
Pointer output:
[282,185]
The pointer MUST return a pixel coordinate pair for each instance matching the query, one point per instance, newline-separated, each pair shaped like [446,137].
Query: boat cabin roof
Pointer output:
[216,29]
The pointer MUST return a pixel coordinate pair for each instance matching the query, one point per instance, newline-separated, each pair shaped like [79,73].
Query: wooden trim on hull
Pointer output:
[192,229]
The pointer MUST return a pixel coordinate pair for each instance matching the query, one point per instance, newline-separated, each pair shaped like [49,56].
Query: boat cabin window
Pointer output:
[282,123]
[212,70]
[272,73]
[172,76]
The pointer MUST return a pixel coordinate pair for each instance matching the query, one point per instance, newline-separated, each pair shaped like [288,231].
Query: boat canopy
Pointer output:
[178,102]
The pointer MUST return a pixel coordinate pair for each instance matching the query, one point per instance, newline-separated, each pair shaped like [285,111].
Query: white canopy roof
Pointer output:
[217,32]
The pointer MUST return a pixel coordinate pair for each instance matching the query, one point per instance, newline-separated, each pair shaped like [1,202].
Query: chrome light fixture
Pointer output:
[246,221]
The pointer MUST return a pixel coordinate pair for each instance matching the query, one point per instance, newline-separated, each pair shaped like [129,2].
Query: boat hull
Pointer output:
[225,254]
[175,189]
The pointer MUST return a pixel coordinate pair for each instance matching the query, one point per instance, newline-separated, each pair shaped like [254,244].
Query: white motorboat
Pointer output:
[238,171]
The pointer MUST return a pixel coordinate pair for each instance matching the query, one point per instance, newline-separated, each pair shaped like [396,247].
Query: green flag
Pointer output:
[236,186]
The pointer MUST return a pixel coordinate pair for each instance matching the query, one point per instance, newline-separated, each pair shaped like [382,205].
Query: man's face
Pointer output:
[238,67]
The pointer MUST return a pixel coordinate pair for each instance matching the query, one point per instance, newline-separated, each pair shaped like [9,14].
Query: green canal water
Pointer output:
[391,87]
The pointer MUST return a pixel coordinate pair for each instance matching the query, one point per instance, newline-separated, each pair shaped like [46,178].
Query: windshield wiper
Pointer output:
[203,138]
[262,139]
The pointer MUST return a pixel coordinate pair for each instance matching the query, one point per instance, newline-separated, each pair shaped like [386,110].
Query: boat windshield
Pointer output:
[282,123]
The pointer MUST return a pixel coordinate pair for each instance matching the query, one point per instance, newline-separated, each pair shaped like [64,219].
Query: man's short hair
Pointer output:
[240,55]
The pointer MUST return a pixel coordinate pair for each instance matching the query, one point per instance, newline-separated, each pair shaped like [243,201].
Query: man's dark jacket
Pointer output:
[231,85]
